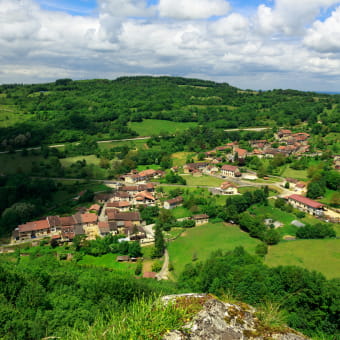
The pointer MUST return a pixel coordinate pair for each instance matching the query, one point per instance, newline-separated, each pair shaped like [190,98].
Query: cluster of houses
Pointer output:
[116,213]
[289,144]
[135,176]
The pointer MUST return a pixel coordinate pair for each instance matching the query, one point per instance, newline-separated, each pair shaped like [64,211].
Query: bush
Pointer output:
[157,266]
[261,249]
[316,231]
[300,214]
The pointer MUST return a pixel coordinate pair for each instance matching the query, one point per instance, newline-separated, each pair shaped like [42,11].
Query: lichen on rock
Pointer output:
[218,320]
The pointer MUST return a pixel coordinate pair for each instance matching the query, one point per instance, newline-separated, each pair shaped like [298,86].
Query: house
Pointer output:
[120,205]
[144,197]
[104,228]
[131,216]
[228,188]
[230,171]
[241,154]
[173,203]
[306,204]
[210,170]
[88,219]
[283,133]
[121,196]
[33,229]
[103,197]
[191,167]
[200,219]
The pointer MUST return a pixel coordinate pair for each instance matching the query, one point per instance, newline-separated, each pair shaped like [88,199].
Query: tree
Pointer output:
[159,243]
[139,267]
[272,236]
[135,249]
[315,189]
[261,249]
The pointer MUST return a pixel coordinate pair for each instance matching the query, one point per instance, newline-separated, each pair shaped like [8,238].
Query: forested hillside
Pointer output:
[68,110]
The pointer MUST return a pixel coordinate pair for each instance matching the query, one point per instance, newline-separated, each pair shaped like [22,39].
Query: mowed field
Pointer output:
[151,127]
[319,255]
[108,261]
[201,241]
[204,180]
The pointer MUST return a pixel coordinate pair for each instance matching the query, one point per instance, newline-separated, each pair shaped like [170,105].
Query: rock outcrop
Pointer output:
[219,320]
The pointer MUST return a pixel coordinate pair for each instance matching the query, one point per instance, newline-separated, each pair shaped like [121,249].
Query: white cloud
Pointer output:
[290,16]
[325,36]
[128,37]
[193,9]
[125,8]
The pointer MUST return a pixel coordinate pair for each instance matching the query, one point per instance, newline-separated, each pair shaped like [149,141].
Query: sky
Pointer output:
[259,44]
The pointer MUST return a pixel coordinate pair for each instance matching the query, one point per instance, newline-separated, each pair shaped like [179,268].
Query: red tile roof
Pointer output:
[175,200]
[118,204]
[67,220]
[89,218]
[228,167]
[148,173]
[95,207]
[226,185]
[34,226]
[124,216]
[145,194]
[306,201]
[241,152]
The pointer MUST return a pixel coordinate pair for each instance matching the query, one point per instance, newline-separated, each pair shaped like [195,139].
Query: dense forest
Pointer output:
[67,110]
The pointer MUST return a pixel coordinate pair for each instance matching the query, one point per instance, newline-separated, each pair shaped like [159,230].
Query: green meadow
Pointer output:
[204,180]
[319,255]
[108,261]
[149,127]
[199,242]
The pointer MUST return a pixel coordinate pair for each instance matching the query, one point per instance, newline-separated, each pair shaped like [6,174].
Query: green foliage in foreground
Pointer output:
[43,297]
[312,302]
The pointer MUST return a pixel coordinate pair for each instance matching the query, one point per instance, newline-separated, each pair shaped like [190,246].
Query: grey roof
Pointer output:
[298,223]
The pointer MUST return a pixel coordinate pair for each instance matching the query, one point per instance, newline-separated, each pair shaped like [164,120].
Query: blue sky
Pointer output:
[259,44]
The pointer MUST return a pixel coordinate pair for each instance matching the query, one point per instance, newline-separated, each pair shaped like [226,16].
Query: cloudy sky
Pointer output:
[257,44]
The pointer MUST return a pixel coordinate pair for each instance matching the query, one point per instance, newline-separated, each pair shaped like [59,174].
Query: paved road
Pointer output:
[163,274]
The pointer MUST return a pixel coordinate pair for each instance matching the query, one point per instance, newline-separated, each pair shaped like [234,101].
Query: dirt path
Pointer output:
[164,273]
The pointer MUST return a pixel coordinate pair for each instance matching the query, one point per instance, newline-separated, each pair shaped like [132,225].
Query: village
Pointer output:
[117,212]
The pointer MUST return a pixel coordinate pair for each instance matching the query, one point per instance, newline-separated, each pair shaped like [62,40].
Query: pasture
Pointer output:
[320,255]
[204,180]
[199,242]
[150,127]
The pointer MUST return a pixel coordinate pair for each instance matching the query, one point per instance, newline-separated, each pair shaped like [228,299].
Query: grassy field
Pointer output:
[320,255]
[180,212]
[135,144]
[91,159]
[298,174]
[202,240]
[150,166]
[179,158]
[108,261]
[9,116]
[203,180]
[151,127]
